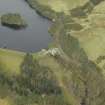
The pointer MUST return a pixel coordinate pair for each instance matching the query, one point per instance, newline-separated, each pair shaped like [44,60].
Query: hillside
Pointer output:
[72,71]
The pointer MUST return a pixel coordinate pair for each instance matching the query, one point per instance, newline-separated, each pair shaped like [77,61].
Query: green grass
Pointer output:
[6,101]
[100,8]
[92,38]
[62,5]
[11,60]
[60,73]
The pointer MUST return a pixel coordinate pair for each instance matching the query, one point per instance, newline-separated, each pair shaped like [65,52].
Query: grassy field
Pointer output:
[100,8]
[60,73]
[62,5]
[11,60]
[5,101]
[92,37]
[69,71]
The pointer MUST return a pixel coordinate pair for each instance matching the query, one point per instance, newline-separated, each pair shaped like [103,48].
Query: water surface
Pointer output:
[33,38]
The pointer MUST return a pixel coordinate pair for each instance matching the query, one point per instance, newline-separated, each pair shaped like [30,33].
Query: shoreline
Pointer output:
[42,16]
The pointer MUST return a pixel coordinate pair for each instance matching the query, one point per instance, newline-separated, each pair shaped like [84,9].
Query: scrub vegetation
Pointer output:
[74,73]
[13,20]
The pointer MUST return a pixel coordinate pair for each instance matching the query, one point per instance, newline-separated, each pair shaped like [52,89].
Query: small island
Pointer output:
[13,20]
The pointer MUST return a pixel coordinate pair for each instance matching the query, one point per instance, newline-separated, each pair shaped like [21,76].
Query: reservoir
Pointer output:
[31,39]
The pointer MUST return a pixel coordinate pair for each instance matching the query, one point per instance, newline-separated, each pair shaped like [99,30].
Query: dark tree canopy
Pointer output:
[36,78]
